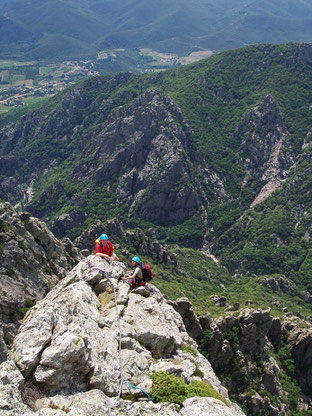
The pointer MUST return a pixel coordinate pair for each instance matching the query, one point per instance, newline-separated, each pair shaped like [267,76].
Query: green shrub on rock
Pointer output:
[203,389]
[168,388]
[172,389]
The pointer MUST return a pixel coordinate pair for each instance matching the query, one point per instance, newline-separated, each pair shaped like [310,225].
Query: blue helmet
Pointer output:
[136,259]
[103,237]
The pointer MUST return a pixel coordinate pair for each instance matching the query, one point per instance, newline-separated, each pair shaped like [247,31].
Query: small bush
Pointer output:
[7,340]
[168,388]
[203,389]
[232,335]
[204,342]
[129,396]
[172,389]
[4,227]
[198,373]
[29,303]
[21,312]
[189,349]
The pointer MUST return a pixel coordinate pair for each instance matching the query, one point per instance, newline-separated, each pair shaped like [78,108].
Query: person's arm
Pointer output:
[128,277]
[111,254]
[132,276]
[115,257]
[105,256]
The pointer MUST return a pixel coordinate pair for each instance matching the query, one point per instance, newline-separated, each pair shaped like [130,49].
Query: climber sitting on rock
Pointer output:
[136,278]
[104,248]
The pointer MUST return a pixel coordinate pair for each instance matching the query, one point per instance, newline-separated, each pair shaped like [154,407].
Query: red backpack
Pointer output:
[147,272]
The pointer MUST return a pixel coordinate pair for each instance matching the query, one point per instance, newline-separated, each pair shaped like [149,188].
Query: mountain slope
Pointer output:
[215,154]
[172,26]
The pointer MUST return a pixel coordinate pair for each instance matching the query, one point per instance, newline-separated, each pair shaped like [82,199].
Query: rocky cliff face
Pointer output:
[76,347]
[265,150]
[145,145]
[256,355]
[32,261]
[139,153]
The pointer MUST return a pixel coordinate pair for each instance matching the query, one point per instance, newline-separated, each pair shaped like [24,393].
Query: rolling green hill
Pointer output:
[171,26]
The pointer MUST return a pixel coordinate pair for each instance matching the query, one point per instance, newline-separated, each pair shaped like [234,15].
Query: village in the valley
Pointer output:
[24,83]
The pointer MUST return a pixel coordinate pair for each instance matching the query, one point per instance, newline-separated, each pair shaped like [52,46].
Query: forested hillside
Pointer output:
[63,29]
[214,155]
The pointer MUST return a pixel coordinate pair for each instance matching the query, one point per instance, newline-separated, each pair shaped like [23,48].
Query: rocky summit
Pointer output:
[78,350]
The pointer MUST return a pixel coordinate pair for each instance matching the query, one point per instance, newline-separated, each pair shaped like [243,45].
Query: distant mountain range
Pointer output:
[61,29]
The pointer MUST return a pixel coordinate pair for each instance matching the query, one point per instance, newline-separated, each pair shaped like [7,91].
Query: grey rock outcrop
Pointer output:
[198,406]
[236,346]
[68,345]
[306,296]
[300,341]
[67,221]
[249,330]
[11,382]
[242,347]
[205,321]
[279,284]
[193,327]
[269,157]
[32,261]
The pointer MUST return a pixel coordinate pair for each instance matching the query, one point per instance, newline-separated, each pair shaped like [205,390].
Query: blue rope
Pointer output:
[108,408]
[139,388]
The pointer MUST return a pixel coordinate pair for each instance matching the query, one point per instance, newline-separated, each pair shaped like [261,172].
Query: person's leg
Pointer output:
[134,284]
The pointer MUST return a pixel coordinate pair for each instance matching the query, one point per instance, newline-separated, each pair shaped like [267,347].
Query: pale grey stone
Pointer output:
[159,328]
[34,335]
[208,406]
[181,368]
[11,380]
[122,408]
[142,290]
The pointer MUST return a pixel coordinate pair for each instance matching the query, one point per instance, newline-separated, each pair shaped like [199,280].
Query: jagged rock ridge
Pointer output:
[32,260]
[68,344]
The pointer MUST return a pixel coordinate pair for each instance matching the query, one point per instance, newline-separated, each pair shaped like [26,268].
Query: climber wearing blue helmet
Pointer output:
[136,278]
[136,259]
[104,248]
